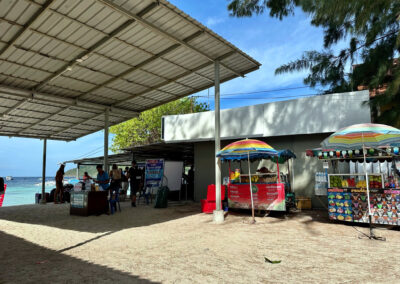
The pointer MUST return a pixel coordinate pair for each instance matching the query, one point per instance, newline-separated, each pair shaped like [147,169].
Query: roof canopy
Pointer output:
[63,64]
[172,152]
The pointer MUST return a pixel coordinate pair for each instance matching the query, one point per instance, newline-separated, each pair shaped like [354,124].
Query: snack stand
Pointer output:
[268,190]
[363,197]
[347,192]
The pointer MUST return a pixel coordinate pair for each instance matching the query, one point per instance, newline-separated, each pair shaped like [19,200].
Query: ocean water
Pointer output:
[22,190]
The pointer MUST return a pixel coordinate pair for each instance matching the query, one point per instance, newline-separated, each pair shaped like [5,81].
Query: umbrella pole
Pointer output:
[277,167]
[371,233]
[251,190]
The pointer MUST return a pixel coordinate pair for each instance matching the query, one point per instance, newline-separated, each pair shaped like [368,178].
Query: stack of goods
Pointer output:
[335,181]
[271,179]
[375,181]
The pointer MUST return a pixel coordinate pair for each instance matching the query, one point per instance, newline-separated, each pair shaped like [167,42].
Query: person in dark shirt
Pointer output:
[59,184]
[135,177]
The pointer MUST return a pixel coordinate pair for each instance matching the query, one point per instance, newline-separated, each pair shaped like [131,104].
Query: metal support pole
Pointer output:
[43,199]
[106,123]
[218,213]
[77,171]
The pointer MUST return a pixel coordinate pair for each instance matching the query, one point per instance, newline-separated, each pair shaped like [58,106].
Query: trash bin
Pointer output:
[162,198]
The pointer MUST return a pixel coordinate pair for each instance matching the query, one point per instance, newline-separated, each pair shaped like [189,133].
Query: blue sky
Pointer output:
[268,40]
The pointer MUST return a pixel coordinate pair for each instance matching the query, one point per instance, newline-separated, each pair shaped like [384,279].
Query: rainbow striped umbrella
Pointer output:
[362,135]
[247,149]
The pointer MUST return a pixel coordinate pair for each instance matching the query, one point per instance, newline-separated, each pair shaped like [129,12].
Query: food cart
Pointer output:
[268,190]
[360,196]
[347,192]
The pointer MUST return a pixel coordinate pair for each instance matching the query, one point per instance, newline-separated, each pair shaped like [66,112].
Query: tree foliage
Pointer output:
[372,31]
[146,128]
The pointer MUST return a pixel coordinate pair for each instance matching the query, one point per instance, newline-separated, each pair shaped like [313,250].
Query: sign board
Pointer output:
[78,199]
[325,165]
[173,172]
[154,172]
[265,196]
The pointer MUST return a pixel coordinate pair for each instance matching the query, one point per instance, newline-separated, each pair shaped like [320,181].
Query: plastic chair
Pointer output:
[208,205]
[114,200]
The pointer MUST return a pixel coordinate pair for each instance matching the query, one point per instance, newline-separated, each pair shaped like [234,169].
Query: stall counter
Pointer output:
[85,203]
[266,196]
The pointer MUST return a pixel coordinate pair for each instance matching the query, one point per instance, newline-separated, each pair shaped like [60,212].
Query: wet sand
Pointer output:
[43,243]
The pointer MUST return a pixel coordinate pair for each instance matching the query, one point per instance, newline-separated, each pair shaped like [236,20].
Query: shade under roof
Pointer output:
[63,64]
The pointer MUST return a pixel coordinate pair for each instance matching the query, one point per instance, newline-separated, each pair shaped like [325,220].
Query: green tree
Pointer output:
[370,27]
[146,128]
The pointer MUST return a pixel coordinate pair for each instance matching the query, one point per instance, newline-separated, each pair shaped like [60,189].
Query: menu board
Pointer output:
[265,196]
[352,205]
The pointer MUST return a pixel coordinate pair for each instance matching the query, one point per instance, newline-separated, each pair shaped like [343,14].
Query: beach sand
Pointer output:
[43,243]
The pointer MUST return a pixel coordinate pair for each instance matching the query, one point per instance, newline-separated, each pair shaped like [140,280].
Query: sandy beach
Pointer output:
[180,245]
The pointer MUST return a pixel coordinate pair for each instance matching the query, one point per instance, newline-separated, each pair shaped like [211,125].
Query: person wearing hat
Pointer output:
[59,184]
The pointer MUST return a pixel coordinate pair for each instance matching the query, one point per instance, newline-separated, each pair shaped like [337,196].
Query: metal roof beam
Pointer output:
[177,78]
[142,64]
[76,124]
[29,23]
[14,107]
[12,134]
[27,94]
[163,33]
[85,54]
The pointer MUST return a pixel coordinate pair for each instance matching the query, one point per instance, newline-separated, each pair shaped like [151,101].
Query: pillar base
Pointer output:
[218,216]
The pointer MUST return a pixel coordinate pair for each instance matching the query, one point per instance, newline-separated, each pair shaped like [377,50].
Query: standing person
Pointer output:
[86,177]
[102,178]
[135,176]
[59,184]
[124,183]
[115,176]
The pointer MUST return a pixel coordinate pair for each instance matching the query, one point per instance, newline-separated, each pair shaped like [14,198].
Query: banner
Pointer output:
[154,172]
[265,196]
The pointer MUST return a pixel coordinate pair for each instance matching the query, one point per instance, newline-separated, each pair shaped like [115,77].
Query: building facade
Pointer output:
[297,125]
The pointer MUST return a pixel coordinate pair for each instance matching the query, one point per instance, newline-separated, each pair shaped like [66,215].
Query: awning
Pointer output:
[168,151]
[63,64]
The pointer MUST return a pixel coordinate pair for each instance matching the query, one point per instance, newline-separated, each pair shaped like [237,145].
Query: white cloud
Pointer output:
[213,21]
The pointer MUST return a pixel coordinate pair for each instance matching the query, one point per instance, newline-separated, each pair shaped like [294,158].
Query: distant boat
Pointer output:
[9,178]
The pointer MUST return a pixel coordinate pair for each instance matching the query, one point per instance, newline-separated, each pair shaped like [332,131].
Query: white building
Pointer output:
[294,124]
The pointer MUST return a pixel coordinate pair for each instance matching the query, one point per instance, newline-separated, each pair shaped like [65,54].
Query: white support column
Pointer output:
[218,213]
[43,199]
[106,123]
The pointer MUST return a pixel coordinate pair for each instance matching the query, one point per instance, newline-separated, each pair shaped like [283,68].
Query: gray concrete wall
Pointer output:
[304,167]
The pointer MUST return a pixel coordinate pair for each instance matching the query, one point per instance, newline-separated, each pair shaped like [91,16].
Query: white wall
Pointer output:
[318,114]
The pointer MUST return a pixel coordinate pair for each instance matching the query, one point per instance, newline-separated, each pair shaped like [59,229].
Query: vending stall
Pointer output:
[364,196]
[263,189]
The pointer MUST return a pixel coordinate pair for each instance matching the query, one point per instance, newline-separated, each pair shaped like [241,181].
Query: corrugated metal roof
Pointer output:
[63,63]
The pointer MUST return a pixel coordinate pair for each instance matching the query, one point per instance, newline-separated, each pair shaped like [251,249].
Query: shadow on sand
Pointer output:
[58,216]
[23,262]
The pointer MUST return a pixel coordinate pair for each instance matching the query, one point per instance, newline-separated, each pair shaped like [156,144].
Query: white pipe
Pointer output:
[251,190]
[217,138]
[106,124]
[366,177]
[43,199]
